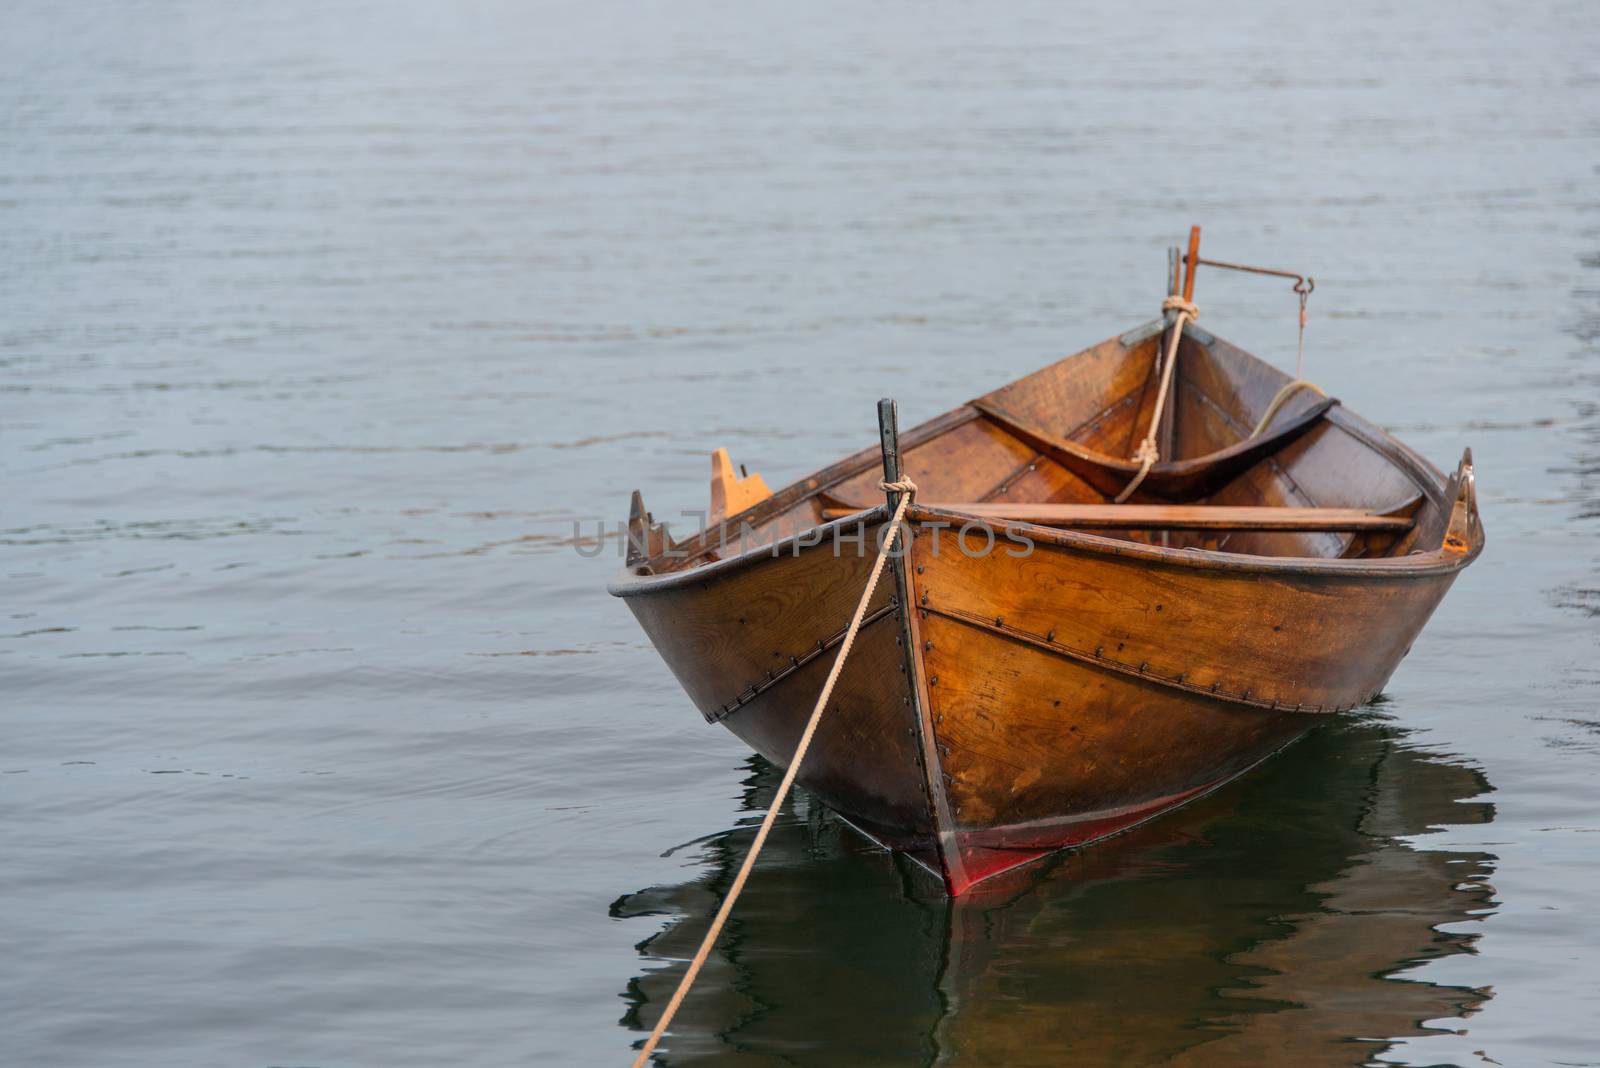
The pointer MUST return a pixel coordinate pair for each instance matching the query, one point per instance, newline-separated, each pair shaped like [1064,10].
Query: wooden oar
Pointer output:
[1168,516]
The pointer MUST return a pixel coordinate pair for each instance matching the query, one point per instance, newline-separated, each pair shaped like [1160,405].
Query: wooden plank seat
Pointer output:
[1169,516]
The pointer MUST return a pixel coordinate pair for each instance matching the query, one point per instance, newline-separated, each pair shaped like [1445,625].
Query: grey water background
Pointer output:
[322,324]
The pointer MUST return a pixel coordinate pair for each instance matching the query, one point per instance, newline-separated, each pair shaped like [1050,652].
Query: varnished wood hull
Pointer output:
[1070,694]
[1075,692]
[1055,694]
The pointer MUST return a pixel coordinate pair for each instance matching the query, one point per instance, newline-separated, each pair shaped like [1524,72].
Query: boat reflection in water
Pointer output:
[1274,919]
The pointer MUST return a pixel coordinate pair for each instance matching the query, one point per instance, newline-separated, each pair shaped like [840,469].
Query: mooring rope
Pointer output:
[907,489]
[1149,453]
[1289,389]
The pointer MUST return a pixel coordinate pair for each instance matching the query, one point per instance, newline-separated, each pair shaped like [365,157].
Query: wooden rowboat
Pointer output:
[1072,666]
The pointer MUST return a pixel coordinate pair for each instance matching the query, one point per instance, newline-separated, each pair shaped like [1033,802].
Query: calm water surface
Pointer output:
[322,324]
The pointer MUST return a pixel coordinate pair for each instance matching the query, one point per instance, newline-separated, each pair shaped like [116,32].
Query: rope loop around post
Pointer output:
[1178,304]
[905,485]
[1149,453]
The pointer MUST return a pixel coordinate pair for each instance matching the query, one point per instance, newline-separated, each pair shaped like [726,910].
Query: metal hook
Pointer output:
[1303,286]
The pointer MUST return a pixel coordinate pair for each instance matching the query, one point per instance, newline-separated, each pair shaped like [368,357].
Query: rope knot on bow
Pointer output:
[905,485]
[1178,304]
[1149,454]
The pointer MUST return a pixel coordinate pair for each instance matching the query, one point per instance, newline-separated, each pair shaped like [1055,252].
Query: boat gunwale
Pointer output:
[638,581]
[632,582]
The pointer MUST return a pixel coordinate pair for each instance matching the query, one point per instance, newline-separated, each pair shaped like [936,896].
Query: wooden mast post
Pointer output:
[1166,433]
[1192,262]
[909,639]
[889,439]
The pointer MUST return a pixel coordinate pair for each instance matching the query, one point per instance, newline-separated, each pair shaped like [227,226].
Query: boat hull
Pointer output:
[1057,692]
[1042,686]
[1076,689]
[752,645]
